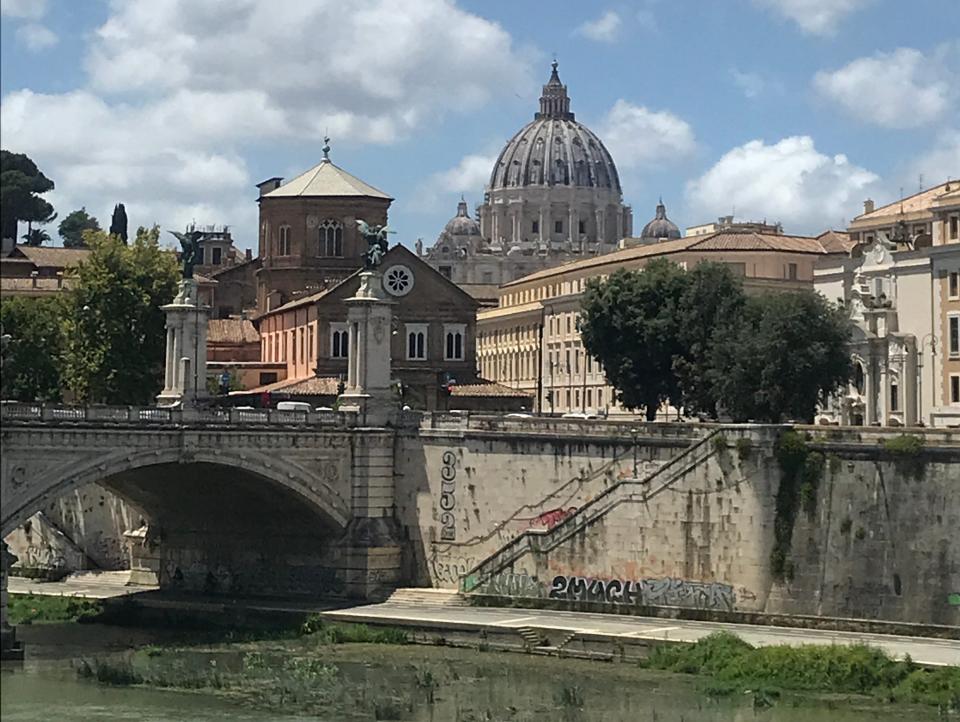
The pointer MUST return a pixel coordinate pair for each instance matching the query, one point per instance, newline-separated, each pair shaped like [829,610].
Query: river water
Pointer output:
[368,682]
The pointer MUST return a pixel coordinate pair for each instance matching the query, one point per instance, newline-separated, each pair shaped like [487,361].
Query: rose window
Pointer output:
[398,280]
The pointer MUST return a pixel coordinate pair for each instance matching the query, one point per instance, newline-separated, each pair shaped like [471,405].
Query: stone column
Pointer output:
[620,226]
[547,234]
[185,380]
[601,226]
[572,230]
[10,648]
[542,220]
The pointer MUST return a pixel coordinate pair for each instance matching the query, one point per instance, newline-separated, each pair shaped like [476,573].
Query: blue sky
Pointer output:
[789,110]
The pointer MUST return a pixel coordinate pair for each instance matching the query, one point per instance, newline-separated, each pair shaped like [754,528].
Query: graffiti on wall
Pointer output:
[511,584]
[954,599]
[657,592]
[450,569]
[448,500]
[549,518]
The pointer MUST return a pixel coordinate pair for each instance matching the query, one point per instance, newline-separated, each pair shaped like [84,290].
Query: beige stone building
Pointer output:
[308,232]
[554,196]
[902,285]
[531,340]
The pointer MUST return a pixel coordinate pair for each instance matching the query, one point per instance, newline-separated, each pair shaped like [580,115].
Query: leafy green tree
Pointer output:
[118,223]
[31,358]
[780,356]
[114,328]
[36,237]
[631,325]
[21,182]
[712,297]
[74,225]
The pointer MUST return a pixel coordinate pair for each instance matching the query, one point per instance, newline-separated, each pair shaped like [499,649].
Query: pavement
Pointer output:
[411,614]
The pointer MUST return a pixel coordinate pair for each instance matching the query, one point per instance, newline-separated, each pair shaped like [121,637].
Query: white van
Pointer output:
[293,406]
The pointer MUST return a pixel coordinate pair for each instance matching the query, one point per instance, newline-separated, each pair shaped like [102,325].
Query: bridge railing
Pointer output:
[139,415]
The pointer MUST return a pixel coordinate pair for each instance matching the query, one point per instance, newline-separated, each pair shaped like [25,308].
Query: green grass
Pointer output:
[735,666]
[40,609]
[332,633]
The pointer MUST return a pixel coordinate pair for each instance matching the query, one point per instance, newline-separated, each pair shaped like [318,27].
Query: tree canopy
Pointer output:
[21,184]
[118,222]
[31,358]
[695,340]
[72,228]
[114,328]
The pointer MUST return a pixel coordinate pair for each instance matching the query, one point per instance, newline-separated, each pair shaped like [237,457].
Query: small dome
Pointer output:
[660,227]
[462,224]
[555,150]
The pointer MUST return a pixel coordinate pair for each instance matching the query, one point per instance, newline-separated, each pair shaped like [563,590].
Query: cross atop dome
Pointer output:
[554,102]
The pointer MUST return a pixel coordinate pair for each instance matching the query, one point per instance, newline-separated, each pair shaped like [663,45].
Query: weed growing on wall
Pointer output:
[744,448]
[800,473]
[906,451]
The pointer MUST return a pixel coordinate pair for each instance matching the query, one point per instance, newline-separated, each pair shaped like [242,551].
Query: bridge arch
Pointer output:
[31,488]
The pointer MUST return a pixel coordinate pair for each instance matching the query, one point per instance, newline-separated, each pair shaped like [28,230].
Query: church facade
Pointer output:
[554,196]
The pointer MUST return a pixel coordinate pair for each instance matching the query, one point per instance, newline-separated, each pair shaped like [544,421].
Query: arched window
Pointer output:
[330,238]
[859,378]
[453,342]
[416,341]
[339,340]
[283,240]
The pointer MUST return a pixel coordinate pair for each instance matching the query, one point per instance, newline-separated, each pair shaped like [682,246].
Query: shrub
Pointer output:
[906,451]
[744,448]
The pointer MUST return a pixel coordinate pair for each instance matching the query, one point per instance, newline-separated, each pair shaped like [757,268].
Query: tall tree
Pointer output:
[631,325]
[36,237]
[782,355]
[73,227]
[21,182]
[712,297]
[31,358]
[118,223]
[114,328]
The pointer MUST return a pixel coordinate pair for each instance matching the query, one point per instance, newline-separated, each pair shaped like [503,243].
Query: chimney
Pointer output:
[249,255]
[270,184]
[868,205]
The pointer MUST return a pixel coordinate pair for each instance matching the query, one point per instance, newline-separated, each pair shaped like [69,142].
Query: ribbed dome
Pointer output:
[555,149]
[462,224]
[660,226]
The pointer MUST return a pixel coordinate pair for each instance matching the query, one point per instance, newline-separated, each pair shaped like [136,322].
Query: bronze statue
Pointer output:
[190,253]
[376,238]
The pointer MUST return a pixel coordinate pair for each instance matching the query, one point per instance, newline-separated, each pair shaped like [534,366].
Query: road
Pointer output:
[411,614]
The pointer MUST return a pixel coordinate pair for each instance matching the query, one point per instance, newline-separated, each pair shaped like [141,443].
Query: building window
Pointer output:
[453,336]
[416,341]
[217,256]
[954,227]
[536,226]
[859,377]
[599,398]
[954,284]
[955,388]
[582,227]
[283,241]
[894,396]
[558,227]
[792,271]
[330,239]
[589,398]
[339,340]
[953,334]
[303,345]
[268,377]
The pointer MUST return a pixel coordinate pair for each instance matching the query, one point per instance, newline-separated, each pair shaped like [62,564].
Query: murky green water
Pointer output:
[368,682]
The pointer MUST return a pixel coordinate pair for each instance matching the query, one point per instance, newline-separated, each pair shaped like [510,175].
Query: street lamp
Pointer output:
[634,433]
[930,338]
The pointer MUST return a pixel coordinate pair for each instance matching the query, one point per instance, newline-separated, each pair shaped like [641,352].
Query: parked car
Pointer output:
[294,406]
[578,415]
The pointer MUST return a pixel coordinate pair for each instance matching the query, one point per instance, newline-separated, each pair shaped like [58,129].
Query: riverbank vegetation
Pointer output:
[40,609]
[734,666]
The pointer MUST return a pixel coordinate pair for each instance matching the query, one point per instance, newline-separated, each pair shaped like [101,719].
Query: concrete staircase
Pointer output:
[539,543]
[427,597]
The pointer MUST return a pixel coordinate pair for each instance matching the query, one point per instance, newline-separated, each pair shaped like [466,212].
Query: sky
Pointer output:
[785,110]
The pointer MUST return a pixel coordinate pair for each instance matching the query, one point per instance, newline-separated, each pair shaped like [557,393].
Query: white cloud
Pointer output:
[940,162]
[789,181]
[177,88]
[469,176]
[901,89]
[27,9]
[640,138]
[36,37]
[604,29]
[817,17]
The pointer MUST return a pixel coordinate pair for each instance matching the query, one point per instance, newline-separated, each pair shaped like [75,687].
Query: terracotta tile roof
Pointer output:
[836,241]
[487,390]
[54,257]
[313,386]
[718,241]
[916,203]
[231,330]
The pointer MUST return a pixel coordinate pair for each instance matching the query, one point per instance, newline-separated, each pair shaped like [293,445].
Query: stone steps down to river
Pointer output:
[428,597]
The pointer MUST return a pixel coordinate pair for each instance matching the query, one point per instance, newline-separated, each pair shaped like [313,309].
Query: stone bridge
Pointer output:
[232,501]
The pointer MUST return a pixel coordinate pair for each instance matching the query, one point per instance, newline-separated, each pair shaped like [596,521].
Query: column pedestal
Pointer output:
[185,367]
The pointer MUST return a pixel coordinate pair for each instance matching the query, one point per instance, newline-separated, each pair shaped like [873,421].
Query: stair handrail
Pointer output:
[525,538]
